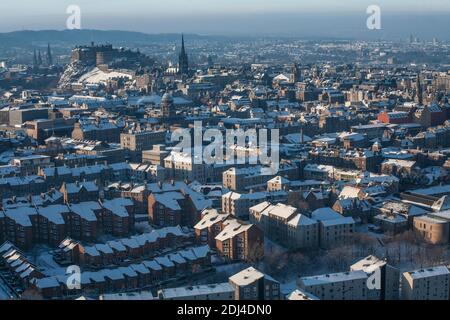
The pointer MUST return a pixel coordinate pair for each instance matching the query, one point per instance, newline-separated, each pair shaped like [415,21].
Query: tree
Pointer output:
[256,253]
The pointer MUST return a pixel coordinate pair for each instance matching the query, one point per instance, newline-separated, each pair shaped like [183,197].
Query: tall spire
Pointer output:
[183,62]
[39,58]
[419,90]
[49,55]
[183,50]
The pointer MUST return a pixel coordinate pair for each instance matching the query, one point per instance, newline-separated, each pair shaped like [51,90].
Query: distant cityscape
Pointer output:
[134,167]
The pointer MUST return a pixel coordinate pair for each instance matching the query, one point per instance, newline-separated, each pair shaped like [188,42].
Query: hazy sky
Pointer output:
[303,17]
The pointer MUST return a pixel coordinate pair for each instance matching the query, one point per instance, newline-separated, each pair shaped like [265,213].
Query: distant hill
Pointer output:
[76,37]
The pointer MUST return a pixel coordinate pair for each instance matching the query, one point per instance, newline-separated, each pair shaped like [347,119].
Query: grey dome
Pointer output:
[167,97]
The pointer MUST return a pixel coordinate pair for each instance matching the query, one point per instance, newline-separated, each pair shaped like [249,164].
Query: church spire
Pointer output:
[419,90]
[183,50]
[39,59]
[183,62]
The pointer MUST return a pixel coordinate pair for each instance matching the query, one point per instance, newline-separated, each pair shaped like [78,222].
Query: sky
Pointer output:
[291,17]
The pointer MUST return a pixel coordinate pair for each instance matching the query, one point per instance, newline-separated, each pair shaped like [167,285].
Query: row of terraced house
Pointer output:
[137,275]
[28,225]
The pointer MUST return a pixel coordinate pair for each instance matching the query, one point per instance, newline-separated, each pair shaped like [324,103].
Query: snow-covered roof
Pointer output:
[325,213]
[249,276]
[299,294]
[429,272]
[86,210]
[232,228]
[333,278]
[192,291]
[21,215]
[118,206]
[169,199]
[368,264]
[349,192]
[210,217]
[301,220]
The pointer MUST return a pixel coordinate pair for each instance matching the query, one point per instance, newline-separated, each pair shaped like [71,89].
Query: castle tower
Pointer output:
[183,62]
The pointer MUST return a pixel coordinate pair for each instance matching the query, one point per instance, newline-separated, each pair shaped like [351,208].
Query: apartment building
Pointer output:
[216,291]
[371,131]
[251,284]
[80,192]
[137,192]
[333,228]
[433,228]
[239,241]
[25,226]
[156,155]
[172,209]
[118,216]
[172,204]
[101,130]
[244,179]
[365,160]
[210,225]
[253,178]
[278,183]
[383,281]
[142,274]
[232,238]
[42,129]
[426,284]
[56,176]
[181,166]
[135,142]
[20,115]
[239,204]
[29,165]
[283,224]
[350,285]
[22,186]
[397,167]
[120,250]
[125,296]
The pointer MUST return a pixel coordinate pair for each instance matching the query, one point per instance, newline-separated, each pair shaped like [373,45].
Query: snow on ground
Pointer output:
[49,266]
[143,227]
[365,229]
[42,257]
[99,76]
[231,269]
